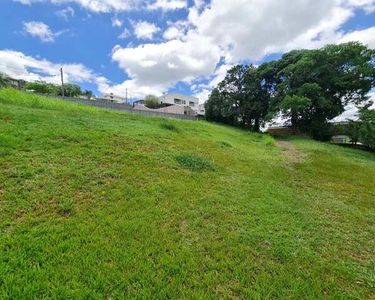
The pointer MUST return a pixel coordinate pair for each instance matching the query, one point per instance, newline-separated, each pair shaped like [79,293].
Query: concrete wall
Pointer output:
[169,109]
[124,107]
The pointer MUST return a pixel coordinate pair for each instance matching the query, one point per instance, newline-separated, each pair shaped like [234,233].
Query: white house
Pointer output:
[180,100]
[112,98]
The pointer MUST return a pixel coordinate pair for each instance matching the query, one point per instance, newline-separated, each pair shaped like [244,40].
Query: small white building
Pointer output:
[180,100]
[112,98]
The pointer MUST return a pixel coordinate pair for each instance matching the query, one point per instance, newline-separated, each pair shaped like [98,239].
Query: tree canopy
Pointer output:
[70,89]
[305,87]
[151,101]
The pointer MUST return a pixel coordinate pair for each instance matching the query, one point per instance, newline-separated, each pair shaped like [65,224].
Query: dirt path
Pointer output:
[294,155]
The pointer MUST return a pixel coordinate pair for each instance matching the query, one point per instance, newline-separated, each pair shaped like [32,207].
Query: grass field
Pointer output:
[96,204]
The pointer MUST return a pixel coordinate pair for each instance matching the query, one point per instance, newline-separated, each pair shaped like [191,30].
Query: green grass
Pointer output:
[95,204]
[194,162]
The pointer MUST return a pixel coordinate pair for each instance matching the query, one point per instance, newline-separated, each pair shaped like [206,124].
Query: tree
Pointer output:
[307,87]
[88,94]
[330,78]
[71,90]
[151,101]
[366,133]
[218,109]
[4,80]
[43,88]
[353,131]
[242,98]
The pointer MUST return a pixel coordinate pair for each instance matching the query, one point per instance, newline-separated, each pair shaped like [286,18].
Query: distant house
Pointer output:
[139,102]
[341,139]
[180,100]
[173,103]
[112,98]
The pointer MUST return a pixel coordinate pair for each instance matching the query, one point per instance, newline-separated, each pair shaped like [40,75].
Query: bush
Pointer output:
[151,101]
[321,131]
[269,140]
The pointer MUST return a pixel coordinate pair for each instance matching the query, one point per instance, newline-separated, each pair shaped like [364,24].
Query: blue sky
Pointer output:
[160,46]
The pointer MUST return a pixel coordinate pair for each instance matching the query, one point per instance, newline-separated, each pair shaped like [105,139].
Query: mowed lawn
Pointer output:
[96,204]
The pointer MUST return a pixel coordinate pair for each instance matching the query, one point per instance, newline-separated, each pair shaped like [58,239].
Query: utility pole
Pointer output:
[126,99]
[62,82]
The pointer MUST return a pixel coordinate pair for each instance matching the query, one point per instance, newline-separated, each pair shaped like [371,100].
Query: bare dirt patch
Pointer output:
[294,155]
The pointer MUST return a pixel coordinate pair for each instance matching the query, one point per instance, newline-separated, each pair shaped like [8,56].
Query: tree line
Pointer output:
[306,88]
[70,89]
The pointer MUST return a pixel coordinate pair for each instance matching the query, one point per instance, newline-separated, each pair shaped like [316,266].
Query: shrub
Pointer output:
[321,131]
[268,140]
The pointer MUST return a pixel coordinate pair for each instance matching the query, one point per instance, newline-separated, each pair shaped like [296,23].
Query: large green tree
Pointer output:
[71,90]
[307,88]
[242,98]
[316,85]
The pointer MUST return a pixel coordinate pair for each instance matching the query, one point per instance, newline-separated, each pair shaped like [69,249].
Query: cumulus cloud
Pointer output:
[220,33]
[42,31]
[173,33]
[145,30]
[18,65]
[365,36]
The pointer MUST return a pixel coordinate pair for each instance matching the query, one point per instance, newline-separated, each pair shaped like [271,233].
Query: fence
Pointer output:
[122,107]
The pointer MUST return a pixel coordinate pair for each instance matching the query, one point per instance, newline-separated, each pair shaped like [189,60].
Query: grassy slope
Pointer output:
[94,204]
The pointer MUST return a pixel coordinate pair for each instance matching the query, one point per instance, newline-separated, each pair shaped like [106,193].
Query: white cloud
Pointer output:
[104,6]
[42,31]
[66,13]
[223,32]
[116,22]
[351,111]
[173,33]
[18,65]
[168,4]
[199,3]
[145,30]
[367,5]
[365,36]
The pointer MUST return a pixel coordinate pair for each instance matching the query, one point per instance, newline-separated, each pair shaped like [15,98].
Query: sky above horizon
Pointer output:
[161,46]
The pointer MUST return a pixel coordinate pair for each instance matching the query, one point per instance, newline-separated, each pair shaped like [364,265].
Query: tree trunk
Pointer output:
[294,120]
[256,125]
